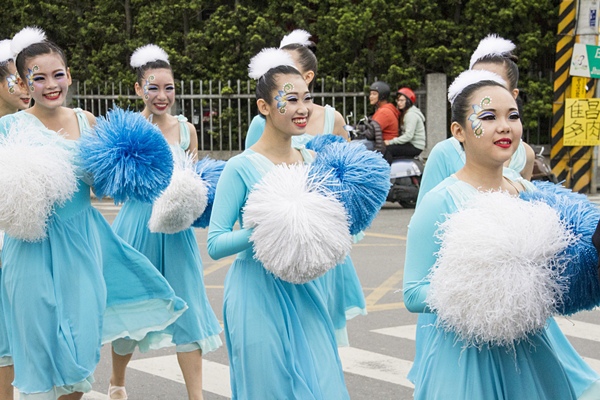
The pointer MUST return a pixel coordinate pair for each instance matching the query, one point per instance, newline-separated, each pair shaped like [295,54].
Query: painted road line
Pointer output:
[375,366]
[215,376]
[578,329]
[403,331]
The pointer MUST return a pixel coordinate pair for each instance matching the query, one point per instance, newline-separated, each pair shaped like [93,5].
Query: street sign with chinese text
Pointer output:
[578,87]
[582,122]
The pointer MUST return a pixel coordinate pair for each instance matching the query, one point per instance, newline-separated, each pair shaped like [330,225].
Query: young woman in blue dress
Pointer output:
[495,54]
[485,120]
[175,255]
[64,294]
[341,285]
[280,338]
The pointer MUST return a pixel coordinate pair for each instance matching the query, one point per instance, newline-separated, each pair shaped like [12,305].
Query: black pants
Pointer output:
[404,150]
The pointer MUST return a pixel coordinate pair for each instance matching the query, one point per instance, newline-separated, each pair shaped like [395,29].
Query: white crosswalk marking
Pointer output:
[376,366]
[578,329]
[403,331]
[215,376]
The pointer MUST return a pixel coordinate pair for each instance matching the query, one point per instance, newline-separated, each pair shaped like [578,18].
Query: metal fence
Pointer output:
[222,111]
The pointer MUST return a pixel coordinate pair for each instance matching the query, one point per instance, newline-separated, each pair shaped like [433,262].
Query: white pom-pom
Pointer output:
[497,274]
[300,230]
[148,53]
[183,201]
[491,45]
[26,37]
[36,173]
[298,36]
[6,53]
[469,77]
[267,59]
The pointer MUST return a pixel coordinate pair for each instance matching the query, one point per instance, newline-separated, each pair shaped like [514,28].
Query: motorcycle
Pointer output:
[541,170]
[405,172]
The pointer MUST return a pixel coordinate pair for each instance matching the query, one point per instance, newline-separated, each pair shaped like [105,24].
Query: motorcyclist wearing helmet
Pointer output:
[411,121]
[383,125]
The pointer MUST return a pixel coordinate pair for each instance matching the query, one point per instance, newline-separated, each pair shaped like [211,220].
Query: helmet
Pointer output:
[408,93]
[382,88]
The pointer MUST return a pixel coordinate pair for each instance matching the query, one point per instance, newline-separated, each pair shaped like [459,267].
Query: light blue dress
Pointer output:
[280,339]
[446,370]
[445,159]
[345,297]
[80,287]
[5,354]
[177,258]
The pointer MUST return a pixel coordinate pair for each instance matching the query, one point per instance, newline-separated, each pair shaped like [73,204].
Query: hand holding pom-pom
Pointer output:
[209,171]
[128,157]
[498,279]
[360,179]
[183,201]
[300,230]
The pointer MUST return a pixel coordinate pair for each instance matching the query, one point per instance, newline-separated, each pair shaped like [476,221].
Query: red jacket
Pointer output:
[387,117]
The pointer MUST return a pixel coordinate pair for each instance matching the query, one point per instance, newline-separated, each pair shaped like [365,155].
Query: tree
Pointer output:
[396,42]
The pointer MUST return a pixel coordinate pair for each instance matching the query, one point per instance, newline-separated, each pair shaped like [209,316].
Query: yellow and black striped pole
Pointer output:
[573,165]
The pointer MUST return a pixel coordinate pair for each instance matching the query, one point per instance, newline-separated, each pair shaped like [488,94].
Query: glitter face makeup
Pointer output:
[282,98]
[149,80]
[11,82]
[29,77]
[475,116]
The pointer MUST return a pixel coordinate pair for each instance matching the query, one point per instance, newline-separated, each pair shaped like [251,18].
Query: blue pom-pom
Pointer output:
[359,177]
[210,171]
[581,216]
[319,142]
[128,157]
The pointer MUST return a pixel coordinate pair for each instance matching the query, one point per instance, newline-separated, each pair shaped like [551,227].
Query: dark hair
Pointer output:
[461,105]
[158,64]
[509,62]
[34,50]
[403,112]
[306,58]
[4,71]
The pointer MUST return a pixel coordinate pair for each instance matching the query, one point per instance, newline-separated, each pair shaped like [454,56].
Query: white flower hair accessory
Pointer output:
[5,51]
[25,38]
[469,77]
[298,36]
[267,59]
[148,53]
[491,45]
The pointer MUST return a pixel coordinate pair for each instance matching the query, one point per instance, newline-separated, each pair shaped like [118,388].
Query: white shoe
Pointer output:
[117,392]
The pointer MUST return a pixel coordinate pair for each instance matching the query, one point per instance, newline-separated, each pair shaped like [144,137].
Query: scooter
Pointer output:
[541,169]
[405,173]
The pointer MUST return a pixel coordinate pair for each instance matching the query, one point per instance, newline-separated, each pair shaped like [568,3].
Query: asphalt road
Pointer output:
[381,343]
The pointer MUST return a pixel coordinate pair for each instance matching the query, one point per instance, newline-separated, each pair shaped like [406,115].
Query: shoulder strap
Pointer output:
[184,132]
[82,120]
[329,122]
